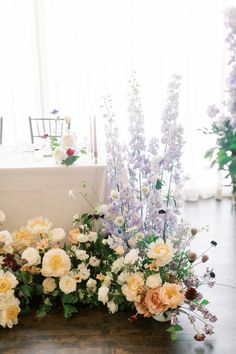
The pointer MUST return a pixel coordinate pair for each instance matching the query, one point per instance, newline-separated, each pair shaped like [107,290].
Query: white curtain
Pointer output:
[66,54]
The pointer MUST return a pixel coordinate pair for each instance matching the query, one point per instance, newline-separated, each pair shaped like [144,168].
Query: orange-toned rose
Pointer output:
[142,308]
[75,236]
[154,302]
[171,295]
[132,289]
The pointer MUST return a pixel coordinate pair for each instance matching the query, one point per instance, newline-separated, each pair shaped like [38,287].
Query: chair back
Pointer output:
[43,127]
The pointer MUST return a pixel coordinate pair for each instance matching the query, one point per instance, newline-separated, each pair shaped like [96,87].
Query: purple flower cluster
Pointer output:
[148,176]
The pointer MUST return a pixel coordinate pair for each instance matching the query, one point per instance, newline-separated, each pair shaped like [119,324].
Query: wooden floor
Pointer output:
[96,332]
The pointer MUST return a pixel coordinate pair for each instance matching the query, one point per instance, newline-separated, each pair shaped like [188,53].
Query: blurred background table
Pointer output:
[31,186]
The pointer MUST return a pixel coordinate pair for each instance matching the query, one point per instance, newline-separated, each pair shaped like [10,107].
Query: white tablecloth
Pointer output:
[31,187]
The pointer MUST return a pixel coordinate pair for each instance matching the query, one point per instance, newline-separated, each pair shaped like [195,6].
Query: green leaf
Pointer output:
[70,298]
[173,336]
[83,151]
[159,184]
[81,294]
[69,310]
[204,302]
[27,290]
[43,311]
[209,153]
[177,327]
[47,301]
[70,160]
[232,167]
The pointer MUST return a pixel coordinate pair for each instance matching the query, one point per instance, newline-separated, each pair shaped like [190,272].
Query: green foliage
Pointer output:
[204,302]
[173,331]
[224,154]
[69,310]
[70,160]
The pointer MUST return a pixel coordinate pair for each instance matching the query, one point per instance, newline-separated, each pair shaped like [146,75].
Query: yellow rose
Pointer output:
[22,239]
[9,310]
[8,282]
[171,295]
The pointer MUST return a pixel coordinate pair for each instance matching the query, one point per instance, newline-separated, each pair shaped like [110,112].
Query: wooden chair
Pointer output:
[43,127]
[1,127]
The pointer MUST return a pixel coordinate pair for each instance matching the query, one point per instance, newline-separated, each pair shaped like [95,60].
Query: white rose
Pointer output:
[2,217]
[31,255]
[56,263]
[84,272]
[102,209]
[94,262]
[112,307]
[49,284]
[67,284]
[123,277]
[119,221]
[115,195]
[91,284]
[59,154]
[81,255]
[68,140]
[117,265]
[67,119]
[57,234]
[5,237]
[153,281]
[92,236]
[103,294]
[132,256]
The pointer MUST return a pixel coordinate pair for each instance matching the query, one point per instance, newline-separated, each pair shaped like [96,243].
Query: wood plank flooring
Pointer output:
[97,332]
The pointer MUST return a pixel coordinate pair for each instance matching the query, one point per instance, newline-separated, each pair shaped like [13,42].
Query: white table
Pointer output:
[32,186]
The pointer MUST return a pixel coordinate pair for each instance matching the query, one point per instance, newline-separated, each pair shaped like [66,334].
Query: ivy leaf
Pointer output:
[159,184]
[69,310]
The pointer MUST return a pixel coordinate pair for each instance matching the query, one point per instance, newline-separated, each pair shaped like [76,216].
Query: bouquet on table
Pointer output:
[130,253]
[65,149]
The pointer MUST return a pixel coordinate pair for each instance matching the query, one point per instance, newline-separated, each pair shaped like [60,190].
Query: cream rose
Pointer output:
[172,295]
[94,262]
[75,236]
[131,257]
[59,154]
[112,307]
[91,284]
[9,310]
[6,238]
[55,263]
[161,252]
[49,285]
[31,256]
[8,282]
[57,235]
[38,225]
[67,284]
[81,255]
[103,294]
[154,281]
[92,236]
[68,140]
[117,265]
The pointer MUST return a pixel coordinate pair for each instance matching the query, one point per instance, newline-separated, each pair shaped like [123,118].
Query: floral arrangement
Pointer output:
[65,150]
[131,254]
[224,117]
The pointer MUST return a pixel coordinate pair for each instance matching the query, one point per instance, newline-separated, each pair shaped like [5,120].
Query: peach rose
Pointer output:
[171,295]
[142,308]
[154,302]
[133,286]
[75,236]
